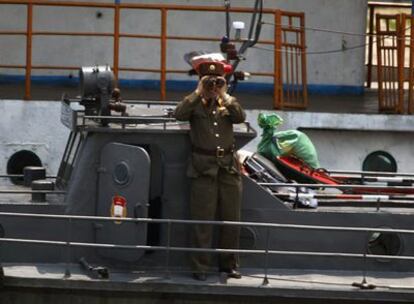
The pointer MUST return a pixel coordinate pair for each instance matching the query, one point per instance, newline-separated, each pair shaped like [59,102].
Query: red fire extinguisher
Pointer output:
[118,207]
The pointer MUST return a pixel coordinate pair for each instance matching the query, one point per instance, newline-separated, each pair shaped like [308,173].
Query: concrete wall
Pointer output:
[334,72]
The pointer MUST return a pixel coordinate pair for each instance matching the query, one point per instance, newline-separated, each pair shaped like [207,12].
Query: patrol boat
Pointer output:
[112,225]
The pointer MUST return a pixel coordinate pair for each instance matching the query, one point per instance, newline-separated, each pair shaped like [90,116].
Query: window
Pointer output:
[379,161]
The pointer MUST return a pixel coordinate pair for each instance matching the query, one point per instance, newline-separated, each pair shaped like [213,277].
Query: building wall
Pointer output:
[337,72]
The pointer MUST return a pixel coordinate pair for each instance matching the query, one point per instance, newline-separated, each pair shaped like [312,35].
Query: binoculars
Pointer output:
[213,82]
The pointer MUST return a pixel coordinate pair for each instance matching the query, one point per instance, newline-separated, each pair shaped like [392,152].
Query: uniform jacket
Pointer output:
[211,128]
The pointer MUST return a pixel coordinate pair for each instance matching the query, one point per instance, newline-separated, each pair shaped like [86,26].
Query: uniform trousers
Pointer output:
[220,195]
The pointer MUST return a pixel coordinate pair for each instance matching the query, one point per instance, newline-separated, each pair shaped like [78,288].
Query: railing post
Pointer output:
[296,202]
[163,53]
[29,34]
[278,79]
[371,9]
[364,284]
[265,279]
[68,249]
[167,261]
[116,38]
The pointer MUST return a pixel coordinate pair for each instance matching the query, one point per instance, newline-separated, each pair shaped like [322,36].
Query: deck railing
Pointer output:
[68,243]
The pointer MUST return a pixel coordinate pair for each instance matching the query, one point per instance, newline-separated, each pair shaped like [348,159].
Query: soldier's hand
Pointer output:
[199,91]
[222,90]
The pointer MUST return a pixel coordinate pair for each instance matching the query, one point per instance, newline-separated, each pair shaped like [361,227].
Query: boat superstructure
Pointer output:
[355,248]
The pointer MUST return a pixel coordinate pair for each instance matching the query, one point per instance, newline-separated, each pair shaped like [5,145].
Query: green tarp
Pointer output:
[284,143]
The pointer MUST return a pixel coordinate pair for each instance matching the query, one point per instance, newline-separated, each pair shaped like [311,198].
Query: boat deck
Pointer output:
[282,283]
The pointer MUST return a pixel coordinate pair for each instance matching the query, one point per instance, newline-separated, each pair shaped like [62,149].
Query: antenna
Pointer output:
[254,29]
[227,6]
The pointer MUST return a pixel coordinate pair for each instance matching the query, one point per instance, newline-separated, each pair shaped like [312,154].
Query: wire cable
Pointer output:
[316,29]
[319,29]
[341,50]
[314,52]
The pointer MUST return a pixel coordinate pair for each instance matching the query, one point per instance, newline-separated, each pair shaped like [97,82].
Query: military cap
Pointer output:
[213,68]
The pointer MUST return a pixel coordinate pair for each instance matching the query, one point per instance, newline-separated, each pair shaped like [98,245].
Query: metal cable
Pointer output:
[313,52]
[306,28]
[330,31]
[323,30]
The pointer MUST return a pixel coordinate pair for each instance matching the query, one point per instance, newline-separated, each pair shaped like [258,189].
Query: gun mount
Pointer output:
[96,85]
[98,93]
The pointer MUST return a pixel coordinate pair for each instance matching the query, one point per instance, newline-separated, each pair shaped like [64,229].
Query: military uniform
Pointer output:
[215,174]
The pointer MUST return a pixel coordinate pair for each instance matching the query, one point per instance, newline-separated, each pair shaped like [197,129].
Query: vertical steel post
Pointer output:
[29,34]
[163,53]
[167,260]
[68,248]
[364,284]
[266,279]
[116,38]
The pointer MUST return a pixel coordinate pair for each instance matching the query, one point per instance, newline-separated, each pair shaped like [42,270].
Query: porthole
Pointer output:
[18,161]
[247,238]
[379,161]
[121,173]
[384,243]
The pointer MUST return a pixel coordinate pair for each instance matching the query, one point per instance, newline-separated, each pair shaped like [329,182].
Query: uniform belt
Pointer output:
[219,152]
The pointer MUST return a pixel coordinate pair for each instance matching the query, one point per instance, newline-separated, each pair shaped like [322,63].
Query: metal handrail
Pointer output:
[168,249]
[371,173]
[192,222]
[21,175]
[33,192]
[339,186]
[206,250]
[116,34]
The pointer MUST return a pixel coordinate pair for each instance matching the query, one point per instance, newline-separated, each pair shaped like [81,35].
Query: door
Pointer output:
[124,170]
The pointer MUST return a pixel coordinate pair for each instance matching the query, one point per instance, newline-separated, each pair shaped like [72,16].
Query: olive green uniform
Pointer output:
[215,174]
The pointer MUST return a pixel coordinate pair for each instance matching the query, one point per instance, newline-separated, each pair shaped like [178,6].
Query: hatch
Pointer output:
[124,171]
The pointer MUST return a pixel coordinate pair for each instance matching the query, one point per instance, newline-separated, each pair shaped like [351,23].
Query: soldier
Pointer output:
[214,170]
